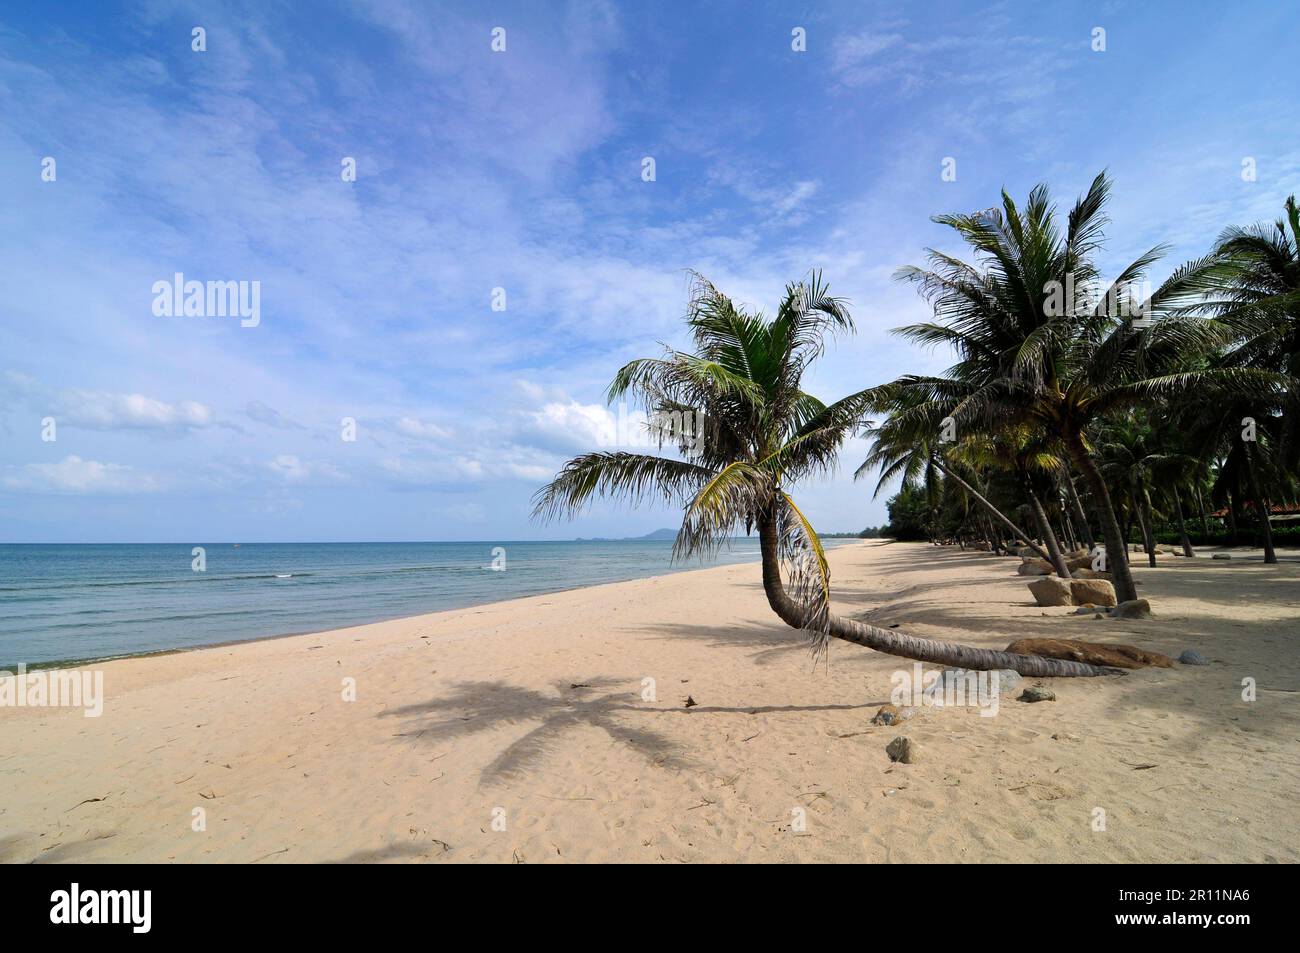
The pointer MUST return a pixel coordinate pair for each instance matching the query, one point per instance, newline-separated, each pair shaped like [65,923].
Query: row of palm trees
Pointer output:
[1072,398]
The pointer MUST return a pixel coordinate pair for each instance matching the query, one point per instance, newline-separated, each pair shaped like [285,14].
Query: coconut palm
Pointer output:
[1257,293]
[762,433]
[1042,343]
[909,446]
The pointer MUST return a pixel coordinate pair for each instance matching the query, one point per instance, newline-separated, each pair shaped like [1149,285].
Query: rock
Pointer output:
[691,702]
[887,715]
[1036,694]
[1093,653]
[1192,657]
[1133,609]
[1026,553]
[1008,680]
[1089,574]
[1065,736]
[1079,562]
[902,749]
[1034,567]
[1221,556]
[1050,591]
[1097,592]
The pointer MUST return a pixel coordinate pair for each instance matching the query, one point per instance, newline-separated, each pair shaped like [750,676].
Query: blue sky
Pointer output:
[521,170]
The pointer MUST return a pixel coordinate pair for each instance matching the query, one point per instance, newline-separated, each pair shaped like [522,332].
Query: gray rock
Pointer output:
[1036,694]
[1008,680]
[1193,657]
[902,749]
[1133,609]
[1222,556]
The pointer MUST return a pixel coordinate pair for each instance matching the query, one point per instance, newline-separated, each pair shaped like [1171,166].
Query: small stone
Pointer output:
[691,702]
[1222,556]
[1193,657]
[1036,694]
[887,715]
[902,749]
[1065,736]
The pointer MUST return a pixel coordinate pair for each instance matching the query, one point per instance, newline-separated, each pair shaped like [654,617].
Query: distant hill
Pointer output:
[657,534]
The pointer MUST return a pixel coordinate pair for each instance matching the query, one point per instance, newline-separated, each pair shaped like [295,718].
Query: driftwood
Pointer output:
[1092,653]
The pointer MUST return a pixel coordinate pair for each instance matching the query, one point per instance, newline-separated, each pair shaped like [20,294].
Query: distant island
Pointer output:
[870,532]
[668,534]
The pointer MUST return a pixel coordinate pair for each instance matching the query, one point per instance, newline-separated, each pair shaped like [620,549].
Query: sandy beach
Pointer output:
[522,731]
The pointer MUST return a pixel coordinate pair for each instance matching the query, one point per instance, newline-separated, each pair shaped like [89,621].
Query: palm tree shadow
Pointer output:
[485,705]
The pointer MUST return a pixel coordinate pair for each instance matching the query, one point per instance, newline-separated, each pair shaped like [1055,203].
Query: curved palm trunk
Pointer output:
[906,646]
[1116,555]
[1261,507]
[1145,520]
[1182,525]
[1055,556]
[992,510]
[1085,526]
[1234,507]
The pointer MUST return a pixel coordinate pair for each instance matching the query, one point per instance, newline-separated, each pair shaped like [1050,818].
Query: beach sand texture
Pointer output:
[529,715]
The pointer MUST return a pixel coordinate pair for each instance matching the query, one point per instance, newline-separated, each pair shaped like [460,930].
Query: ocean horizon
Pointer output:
[78,602]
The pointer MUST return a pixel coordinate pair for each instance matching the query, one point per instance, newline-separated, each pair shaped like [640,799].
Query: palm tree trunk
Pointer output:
[1116,554]
[907,646]
[1148,526]
[1261,507]
[1205,519]
[1078,511]
[1182,525]
[992,510]
[1055,556]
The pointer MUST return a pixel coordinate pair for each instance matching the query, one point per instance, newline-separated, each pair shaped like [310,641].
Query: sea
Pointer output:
[72,602]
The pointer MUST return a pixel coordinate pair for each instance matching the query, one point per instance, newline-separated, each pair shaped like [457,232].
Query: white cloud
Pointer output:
[292,469]
[74,475]
[107,410]
[422,430]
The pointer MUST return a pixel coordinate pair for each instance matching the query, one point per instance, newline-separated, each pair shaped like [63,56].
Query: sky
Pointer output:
[467,296]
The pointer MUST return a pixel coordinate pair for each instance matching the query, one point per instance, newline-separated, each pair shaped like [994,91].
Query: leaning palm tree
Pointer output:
[761,433]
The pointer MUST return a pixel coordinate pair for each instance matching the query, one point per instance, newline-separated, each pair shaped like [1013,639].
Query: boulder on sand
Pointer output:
[1050,591]
[1093,653]
[1034,567]
[1133,609]
[1024,552]
[1079,562]
[1097,592]
[1089,574]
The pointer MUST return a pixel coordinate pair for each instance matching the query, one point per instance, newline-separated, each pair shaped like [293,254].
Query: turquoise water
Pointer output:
[65,602]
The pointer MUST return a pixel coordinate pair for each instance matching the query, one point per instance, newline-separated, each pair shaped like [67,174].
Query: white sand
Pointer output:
[460,713]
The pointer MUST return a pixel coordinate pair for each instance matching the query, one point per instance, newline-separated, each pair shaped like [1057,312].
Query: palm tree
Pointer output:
[1257,294]
[1040,344]
[908,446]
[762,434]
